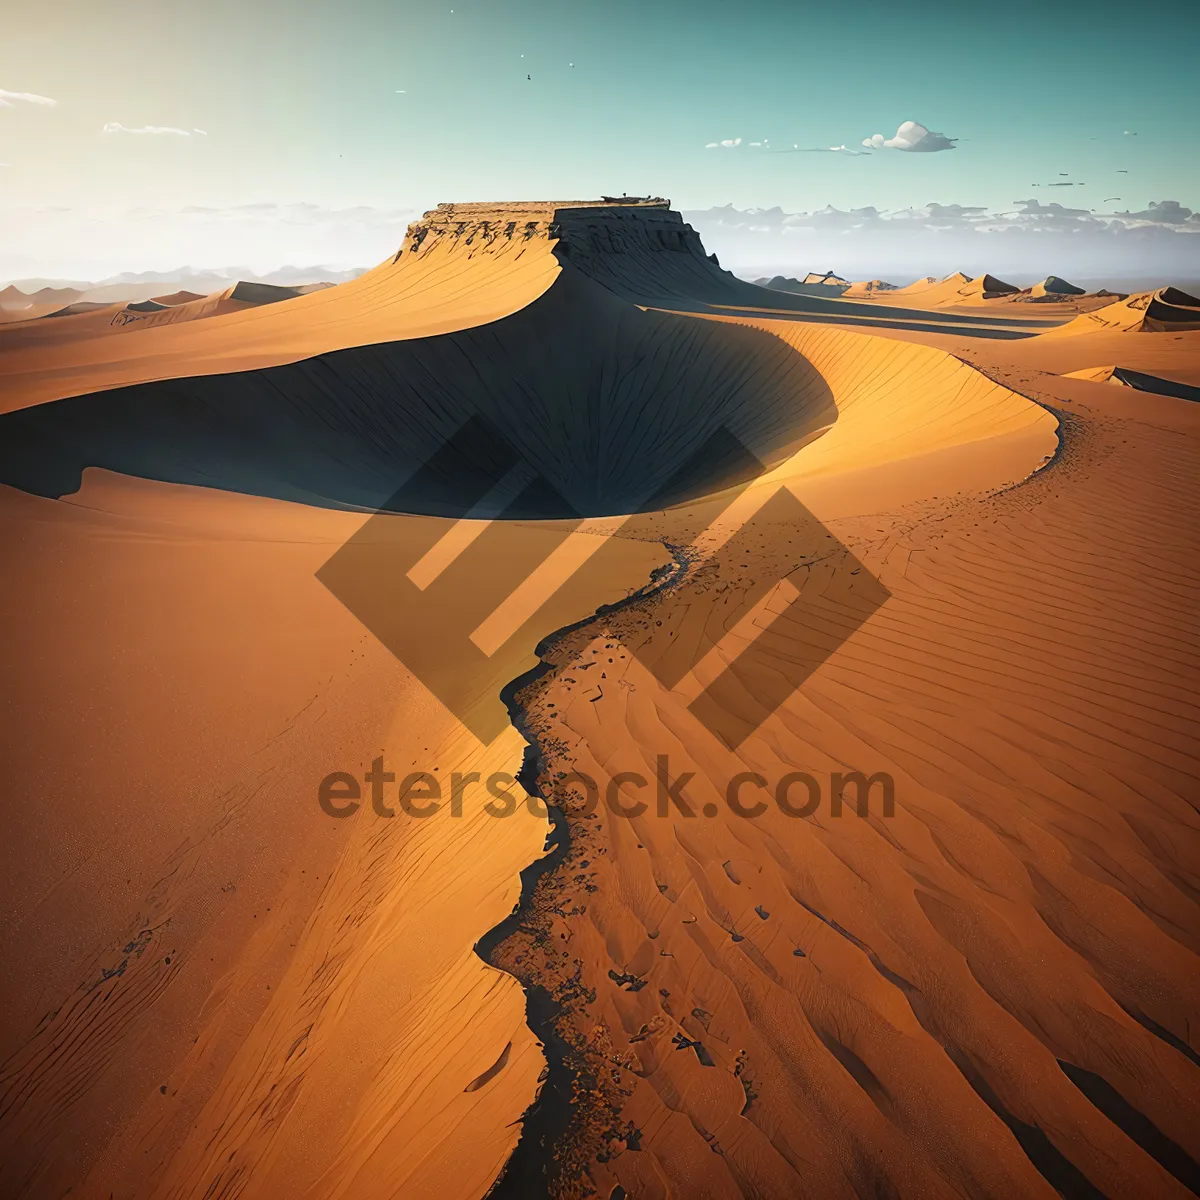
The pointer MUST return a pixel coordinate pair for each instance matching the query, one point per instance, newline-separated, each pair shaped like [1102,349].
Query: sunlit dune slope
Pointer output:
[1167,309]
[460,267]
[82,321]
[953,290]
[988,992]
[611,401]
[867,288]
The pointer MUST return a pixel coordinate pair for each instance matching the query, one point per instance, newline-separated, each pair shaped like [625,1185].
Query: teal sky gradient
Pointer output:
[299,102]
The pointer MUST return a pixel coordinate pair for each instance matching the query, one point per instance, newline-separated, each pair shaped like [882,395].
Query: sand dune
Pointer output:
[869,288]
[1147,312]
[462,266]
[83,320]
[1139,380]
[1052,286]
[958,289]
[12,297]
[180,297]
[950,1050]
[919,285]
[965,578]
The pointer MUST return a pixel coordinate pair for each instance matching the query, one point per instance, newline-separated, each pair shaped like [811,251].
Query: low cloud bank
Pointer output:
[1026,242]
[73,244]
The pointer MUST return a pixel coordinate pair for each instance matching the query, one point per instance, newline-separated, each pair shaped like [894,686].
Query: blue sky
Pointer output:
[401,104]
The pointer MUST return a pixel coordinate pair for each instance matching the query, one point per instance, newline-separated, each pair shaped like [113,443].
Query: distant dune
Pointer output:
[1139,380]
[77,324]
[179,297]
[1147,312]
[1053,286]
[919,285]
[869,288]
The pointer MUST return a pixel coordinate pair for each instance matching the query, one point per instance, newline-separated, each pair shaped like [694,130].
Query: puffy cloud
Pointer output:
[912,137]
[170,130]
[10,99]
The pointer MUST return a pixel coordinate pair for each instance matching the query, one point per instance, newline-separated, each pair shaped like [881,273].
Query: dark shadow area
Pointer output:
[1154,383]
[1168,1154]
[600,400]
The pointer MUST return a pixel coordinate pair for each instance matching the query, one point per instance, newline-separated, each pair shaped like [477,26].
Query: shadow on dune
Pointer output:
[580,404]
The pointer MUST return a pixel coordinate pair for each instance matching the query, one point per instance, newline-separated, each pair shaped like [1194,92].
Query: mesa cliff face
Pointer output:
[640,249]
[586,226]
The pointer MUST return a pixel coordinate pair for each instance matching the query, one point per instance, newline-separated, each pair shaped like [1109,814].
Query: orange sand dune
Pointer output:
[180,297]
[959,289]
[1054,287]
[461,266]
[77,323]
[919,285]
[1139,380]
[977,579]
[1167,309]
[974,996]
[869,288]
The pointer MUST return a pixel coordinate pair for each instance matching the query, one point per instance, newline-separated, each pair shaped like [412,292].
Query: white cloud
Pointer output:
[727,144]
[201,132]
[8,99]
[117,127]
[912,137]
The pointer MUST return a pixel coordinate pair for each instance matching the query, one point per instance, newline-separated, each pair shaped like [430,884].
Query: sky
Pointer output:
[274,132]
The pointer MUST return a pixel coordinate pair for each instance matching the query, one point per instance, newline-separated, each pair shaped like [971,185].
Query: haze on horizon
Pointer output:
[301,134]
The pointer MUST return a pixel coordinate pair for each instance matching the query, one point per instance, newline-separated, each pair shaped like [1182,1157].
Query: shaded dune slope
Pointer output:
[1138,380]
[989,993]
[555,345]
[607,401]
[460,267]
[1164,310]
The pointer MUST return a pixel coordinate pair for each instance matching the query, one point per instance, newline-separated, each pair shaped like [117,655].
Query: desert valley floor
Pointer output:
[949,534]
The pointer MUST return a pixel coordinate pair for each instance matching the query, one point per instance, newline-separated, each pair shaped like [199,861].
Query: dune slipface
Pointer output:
[1165,310]
[693,535]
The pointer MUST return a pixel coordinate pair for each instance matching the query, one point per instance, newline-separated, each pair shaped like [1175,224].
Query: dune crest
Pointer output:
[1160,311]
[1138,380]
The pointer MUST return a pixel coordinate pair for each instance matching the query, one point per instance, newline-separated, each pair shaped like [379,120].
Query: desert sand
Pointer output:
[957,567]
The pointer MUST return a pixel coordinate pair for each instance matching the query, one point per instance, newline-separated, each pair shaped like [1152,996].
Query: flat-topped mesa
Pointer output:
[613,224]
[637,247]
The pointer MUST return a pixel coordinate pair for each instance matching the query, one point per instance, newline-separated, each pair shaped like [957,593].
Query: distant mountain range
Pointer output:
[142,285]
